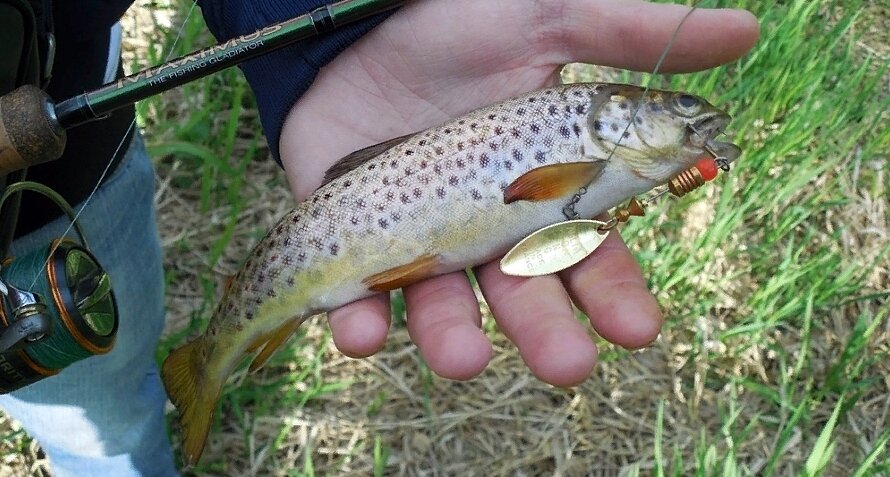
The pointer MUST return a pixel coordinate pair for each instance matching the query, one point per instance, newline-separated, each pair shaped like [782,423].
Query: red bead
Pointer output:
[707,167]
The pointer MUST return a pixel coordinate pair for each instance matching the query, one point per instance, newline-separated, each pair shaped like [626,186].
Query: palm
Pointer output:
[434,60]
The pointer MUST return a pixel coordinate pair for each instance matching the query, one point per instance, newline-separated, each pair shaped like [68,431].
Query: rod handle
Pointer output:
[30,134]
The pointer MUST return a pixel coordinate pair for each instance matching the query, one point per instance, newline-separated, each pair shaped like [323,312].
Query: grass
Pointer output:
[775,280]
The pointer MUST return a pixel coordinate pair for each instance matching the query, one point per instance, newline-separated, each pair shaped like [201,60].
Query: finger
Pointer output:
[359,328]
[537,316]
[444,321]
[634,34]
[609,287]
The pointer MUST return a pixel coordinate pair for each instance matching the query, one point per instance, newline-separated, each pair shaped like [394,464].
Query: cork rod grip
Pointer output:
[29,131]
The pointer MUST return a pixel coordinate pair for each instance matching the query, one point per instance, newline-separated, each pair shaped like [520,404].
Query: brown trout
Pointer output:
[434,202]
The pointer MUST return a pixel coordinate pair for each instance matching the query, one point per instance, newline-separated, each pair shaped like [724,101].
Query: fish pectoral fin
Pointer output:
[357,158]
[423,267]
[194,391]
[273,340]
[553,181]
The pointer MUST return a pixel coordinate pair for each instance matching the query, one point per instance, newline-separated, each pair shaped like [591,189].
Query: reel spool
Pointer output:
[66,314]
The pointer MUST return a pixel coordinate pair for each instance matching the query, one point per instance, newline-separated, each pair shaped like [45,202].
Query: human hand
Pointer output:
[434,60]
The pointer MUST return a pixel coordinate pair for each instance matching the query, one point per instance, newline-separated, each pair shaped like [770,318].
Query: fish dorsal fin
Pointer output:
[357,158]
[398,277]
[553,181]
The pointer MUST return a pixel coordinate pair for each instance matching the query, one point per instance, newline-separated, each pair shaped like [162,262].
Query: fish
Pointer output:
[451,197]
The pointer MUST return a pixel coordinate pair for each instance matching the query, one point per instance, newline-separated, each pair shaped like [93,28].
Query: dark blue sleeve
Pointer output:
[279,78]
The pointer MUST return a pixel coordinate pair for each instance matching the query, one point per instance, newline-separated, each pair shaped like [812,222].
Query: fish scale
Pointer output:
[441,200]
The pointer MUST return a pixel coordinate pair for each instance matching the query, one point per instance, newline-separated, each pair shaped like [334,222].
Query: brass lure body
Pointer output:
[441,200]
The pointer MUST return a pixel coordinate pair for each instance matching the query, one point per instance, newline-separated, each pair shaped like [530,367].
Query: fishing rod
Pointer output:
[32,127]
[69,312]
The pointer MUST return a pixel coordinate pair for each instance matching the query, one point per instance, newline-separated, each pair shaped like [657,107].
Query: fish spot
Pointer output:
[347,183]
[316,213]
[360,203]
[439,150]
[279,230]
[461,122]
[567,108]
[353,220]
[385,180]
[494,146]
[614,127]
[515,132]
[440,191]
[540,157]
[314,199]
[422,142]
[295,219]
[453,180]
[473,126]
[327,196]
[532,99]
[372,167]
[287,241]
[597,125]
[576,129]
[335,249]
[390,196]
[476,195]
[380,207]
[498,130]
[447,130]
[301,256]
[461,163]
[626,134]
[564,132]
[517,155]
[365,179]
[492,117]
[248,315]
[408,152]
[291,282]
[460,146]
[408,171]
[437,169]
[484,160]
[383,223]
[393,164]
[508,165]
[504,186]
[261,278]
[520,111]
[404,198]
[417,193]
[423,164]
[535,128]
[623,105]
[270,293]
[553,110]
[639,120]
[395,216]
[581,109]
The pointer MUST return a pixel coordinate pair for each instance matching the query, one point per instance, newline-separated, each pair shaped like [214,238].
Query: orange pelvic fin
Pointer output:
[423,267]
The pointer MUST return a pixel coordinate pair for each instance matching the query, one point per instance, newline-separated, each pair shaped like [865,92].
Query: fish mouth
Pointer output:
[704,134]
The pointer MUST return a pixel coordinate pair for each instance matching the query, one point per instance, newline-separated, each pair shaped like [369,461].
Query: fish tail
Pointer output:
[194,391]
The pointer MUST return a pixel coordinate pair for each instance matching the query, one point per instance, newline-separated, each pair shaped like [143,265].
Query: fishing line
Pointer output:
[117,150]
[569,209]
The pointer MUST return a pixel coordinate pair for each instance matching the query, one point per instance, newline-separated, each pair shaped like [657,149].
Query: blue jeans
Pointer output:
[105,415]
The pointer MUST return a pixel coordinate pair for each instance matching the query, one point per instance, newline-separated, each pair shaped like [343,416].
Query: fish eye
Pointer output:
[687,104]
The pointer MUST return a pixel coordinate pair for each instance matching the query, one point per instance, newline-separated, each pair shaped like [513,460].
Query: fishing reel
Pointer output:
[65,314]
